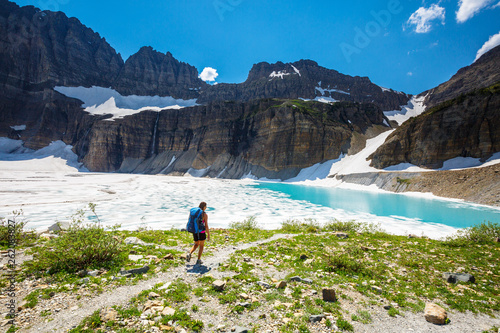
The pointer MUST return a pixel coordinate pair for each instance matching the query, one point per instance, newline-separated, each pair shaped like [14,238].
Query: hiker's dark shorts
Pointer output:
[202,236]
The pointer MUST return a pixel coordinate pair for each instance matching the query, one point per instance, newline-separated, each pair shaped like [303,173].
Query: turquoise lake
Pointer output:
[429,210]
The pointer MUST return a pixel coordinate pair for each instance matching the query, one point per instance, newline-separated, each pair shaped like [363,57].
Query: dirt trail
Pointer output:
[66,319]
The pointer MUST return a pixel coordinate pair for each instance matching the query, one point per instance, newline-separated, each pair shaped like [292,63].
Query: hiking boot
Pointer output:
[188,257]
[199,262]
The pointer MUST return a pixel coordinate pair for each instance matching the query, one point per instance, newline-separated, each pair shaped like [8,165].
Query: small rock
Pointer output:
[134,240]
[342,235]
[413,236]
[454,277]
[85,280]
[109,314]
[387,307]
[307,281]
[435,314]
[303,257]
[59,226]
[183,256]
[219,285]
[264,284]
[329,295]
[82,273]
[168,311]
[93,273]
[244,304]
[296,278]
[135,271]
[74,308]
[135,257]
[22,305]
[281,285]
[244,296]
[316,318]
[239,329]
[308,261]
[165,286]
[377,289]
[169,256]
[153,295]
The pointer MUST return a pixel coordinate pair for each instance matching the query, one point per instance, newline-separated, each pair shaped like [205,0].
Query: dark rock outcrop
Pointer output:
[482,73]
[151,73]
[467,126]
[304,79]
[268,138]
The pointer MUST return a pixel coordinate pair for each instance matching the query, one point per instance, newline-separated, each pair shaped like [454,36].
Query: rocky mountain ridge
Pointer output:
[462,120]
[262,126]
[307,80]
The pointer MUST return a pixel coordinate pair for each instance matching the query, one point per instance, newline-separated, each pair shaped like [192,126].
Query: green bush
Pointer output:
[353,226]
[483,233]
[345,263]
[21,237]
[297,226]
[250,223]
[82,246]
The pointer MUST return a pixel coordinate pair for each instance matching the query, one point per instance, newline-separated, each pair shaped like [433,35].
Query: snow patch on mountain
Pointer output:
[414,108]
[101,101]
[322,91]
[57,156]
[279,74]
[19,127]
[295,69]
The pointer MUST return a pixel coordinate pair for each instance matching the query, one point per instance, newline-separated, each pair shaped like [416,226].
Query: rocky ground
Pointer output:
[268,304]
[477,185]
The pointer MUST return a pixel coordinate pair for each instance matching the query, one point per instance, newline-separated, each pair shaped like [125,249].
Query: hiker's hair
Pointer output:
[203,204]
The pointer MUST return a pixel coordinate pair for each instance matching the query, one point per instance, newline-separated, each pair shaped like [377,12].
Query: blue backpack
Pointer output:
[195,223]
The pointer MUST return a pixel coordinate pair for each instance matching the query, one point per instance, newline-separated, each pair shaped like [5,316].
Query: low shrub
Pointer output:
[483,233]
[82,246]
[353,226]
[250,223]
[297,226]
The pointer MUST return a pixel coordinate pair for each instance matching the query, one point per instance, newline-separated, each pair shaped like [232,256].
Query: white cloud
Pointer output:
[423,17]
[409,73]
[469,8]
[491,43]
[208,74]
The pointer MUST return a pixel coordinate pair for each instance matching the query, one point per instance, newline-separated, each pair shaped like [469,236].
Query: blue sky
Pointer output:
[409,46]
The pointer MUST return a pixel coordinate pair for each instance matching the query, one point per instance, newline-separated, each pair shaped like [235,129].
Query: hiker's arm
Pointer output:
[206,226]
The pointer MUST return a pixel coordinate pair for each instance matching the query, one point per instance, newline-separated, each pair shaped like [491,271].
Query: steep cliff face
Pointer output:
[267,138]
[304,79]
[467,126]
[43,49]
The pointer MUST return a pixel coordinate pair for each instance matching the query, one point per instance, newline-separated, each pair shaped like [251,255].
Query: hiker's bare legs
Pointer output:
[200,251]
[195,246]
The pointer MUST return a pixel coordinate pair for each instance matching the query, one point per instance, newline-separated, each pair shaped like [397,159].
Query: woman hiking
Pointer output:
[199,238]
